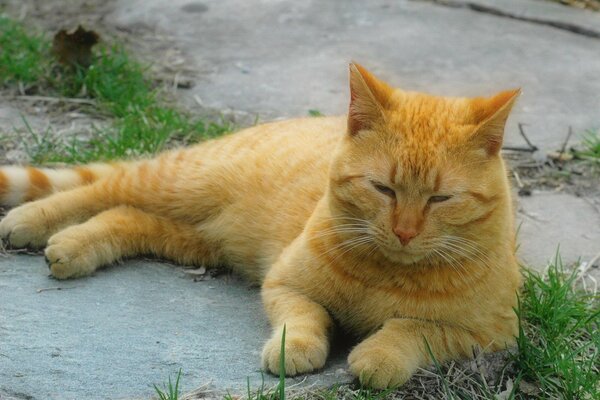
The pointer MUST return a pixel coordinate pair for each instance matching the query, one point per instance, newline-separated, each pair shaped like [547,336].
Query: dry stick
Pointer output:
[582,272]
[564,146]
[518,179]
[530,147]
[54,288]
[518,148]
[57,99]
[522,132]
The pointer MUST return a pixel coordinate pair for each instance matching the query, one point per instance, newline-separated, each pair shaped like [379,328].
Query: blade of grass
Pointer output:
[281,386]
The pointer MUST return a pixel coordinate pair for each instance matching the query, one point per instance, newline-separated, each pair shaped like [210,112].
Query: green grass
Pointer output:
[22,54]
[270,394]
[169,391]
[559,336]
[591,145]
[119,86]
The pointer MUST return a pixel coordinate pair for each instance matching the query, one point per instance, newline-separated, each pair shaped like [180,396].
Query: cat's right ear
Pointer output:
[490,115]
[368,98]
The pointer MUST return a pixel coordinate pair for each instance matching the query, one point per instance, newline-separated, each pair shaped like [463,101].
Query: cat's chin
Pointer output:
[403,257]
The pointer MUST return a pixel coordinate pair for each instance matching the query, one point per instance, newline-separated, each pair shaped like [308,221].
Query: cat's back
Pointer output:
[292,140]
[265,181]
[278,161]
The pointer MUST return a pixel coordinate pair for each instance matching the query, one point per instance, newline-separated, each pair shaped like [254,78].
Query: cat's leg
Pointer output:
[307,325]
[120,232]
[31,224]
[390,356]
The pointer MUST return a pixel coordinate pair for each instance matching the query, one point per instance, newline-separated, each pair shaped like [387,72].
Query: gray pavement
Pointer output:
[550,221]
[282,58]
[114,334]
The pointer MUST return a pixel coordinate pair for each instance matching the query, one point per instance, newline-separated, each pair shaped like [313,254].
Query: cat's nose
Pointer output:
[405,235]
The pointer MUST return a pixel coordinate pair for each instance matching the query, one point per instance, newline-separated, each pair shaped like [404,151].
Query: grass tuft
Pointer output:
[591,145]
[23,55]
[119,86]
[281,386]
[559,336]
[169,391]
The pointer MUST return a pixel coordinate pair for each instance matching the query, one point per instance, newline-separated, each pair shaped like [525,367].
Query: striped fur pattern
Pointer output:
[395,222]
[19,185]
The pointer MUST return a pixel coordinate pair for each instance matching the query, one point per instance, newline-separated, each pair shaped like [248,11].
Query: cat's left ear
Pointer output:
[368,98]
[490,115]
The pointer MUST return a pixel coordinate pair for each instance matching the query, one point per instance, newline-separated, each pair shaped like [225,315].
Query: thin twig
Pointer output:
[522,132]
[517,178]
[530,147]
[594,259]
[54,288]
[564,146]
[519,148]
[582,272]
[58,99]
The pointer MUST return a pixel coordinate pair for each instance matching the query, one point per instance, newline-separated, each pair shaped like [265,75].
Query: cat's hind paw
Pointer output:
[303,354]
[25,226]
[68,257]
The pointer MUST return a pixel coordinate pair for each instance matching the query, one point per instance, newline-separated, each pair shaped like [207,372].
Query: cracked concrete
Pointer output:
[115,334]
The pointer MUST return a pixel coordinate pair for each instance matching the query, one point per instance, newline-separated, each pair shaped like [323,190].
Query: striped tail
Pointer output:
[22,184]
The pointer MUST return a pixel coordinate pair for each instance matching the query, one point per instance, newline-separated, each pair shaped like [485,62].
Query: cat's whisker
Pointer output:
[359,221]
[459,267]
[373,250]
[467,242]
[348,243]
[451,261]
[470,249]
[339,231]
[352,247]
[355,225]
[441,249]
[467,254]
[342,230]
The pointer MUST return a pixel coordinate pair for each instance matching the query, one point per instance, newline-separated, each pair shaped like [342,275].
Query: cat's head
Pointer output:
[422,173]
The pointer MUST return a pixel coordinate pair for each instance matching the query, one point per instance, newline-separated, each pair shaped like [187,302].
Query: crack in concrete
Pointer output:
[565,26]
[7,394]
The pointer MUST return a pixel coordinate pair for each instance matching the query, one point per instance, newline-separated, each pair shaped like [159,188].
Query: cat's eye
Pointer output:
[384,189]
[438,199]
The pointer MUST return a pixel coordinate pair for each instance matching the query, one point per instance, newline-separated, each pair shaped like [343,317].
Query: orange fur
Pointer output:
[395,222]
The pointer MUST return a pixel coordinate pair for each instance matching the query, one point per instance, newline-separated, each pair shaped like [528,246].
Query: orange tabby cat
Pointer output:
[395,222]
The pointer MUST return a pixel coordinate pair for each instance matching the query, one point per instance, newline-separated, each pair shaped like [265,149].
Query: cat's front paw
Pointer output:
[25,226]
[68,256]
[303,353]
[378,366]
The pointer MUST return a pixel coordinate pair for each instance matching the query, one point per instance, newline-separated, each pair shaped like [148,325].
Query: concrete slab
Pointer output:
[115,334]
[551,221]
[282,58]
